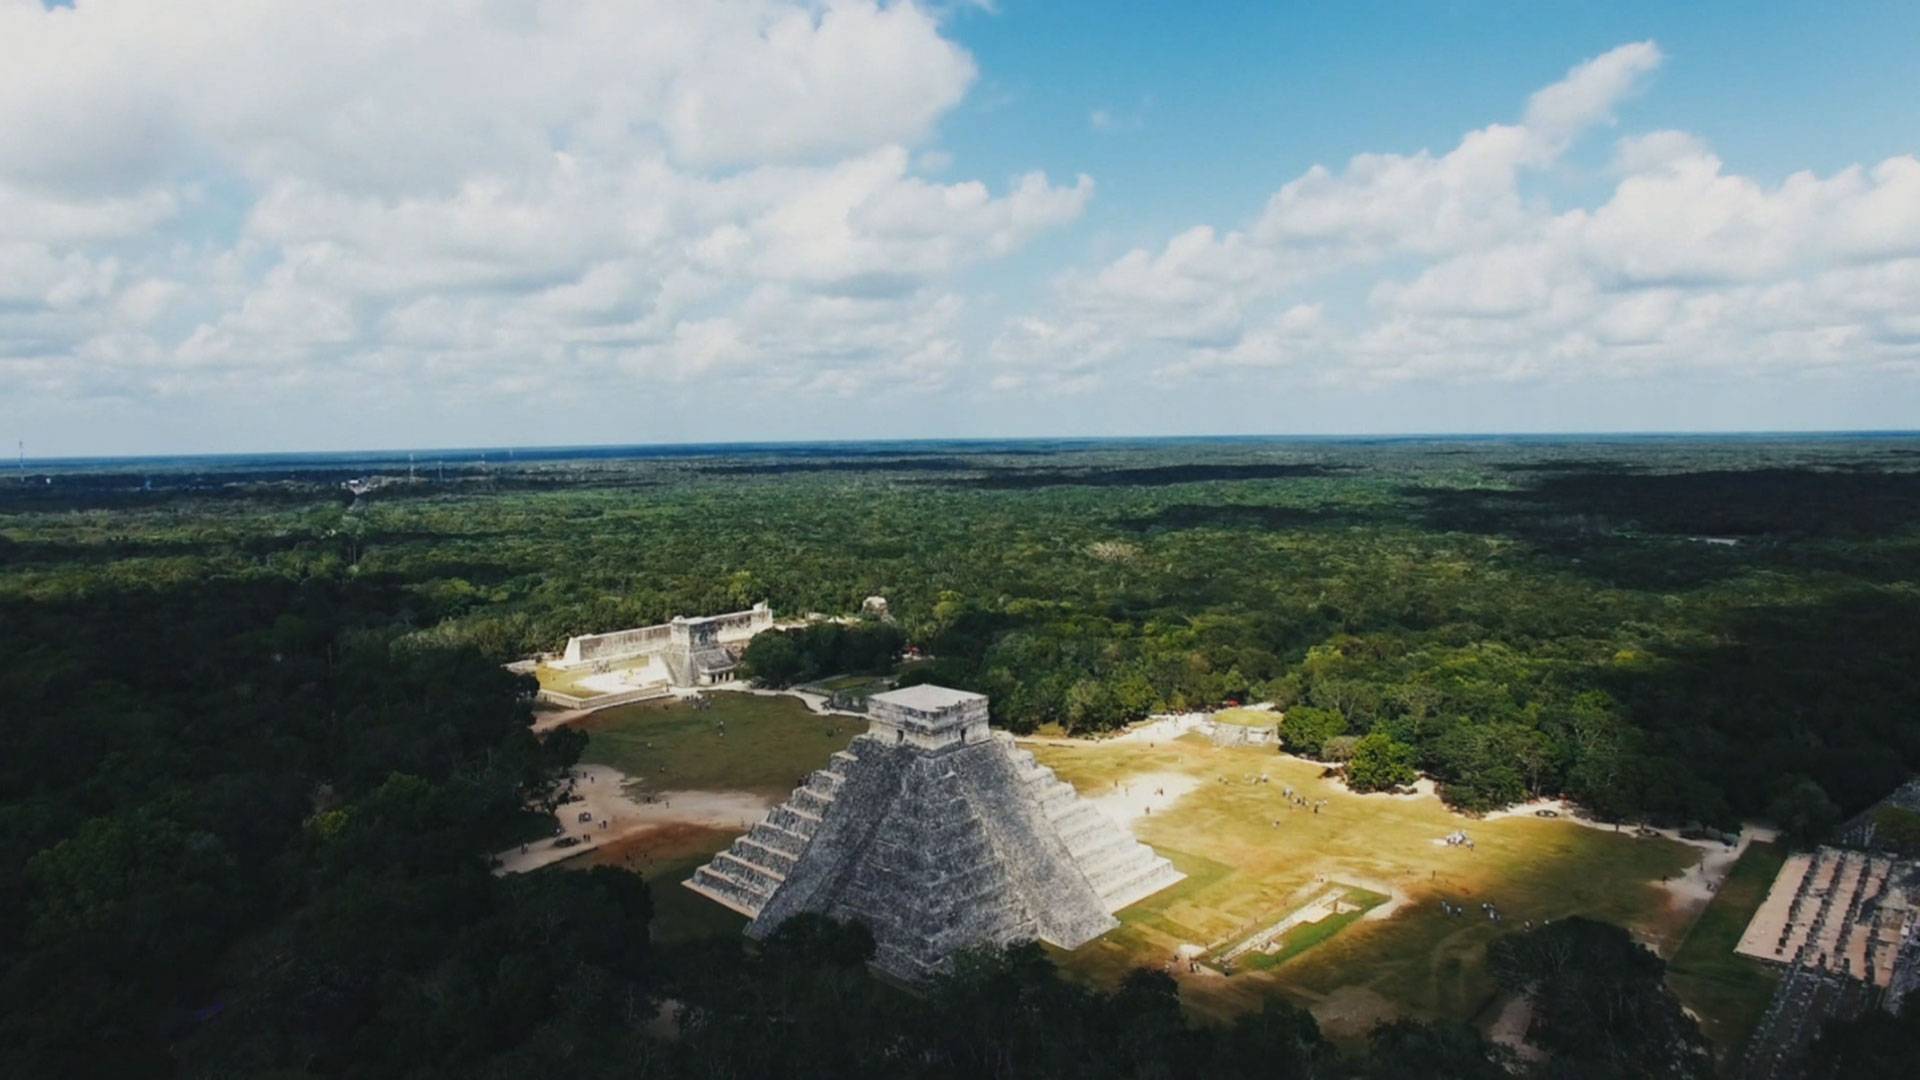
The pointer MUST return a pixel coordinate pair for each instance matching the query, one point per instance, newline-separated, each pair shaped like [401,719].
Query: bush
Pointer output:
[1380,763]
[1306,728]
[1339,748]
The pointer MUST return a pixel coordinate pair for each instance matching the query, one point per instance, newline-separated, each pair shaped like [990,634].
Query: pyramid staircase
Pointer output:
[935,851]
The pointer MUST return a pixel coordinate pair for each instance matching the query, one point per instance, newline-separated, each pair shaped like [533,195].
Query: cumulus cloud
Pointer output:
[1453,266]
[213,193]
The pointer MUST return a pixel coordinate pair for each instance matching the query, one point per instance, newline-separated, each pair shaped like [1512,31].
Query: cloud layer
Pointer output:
[207,197]
[336,206]
[1461,275]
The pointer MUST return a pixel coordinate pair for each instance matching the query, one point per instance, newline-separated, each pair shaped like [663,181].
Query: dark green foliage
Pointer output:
[1601,1006]
[1405,1048]
[258,739]
[1305,729]
[245,821]
[1803,811]
[785,657]
[1380,764]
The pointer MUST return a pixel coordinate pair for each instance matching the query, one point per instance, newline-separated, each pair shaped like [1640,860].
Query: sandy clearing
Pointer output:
[1139,795]
[615,814]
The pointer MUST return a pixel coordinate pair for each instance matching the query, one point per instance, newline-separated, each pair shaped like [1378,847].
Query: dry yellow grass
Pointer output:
[1244,871]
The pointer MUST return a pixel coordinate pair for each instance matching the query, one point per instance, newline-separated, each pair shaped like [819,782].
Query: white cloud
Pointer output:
[1451,267]
[265,194]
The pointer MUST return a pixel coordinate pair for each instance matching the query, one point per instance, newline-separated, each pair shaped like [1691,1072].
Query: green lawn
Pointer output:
[1306,936]
[743,742]
[768,745]
[1728,991]
[1245,871]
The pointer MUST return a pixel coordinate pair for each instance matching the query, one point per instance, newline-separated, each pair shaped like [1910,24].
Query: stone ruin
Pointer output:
[694,652]
[939,834]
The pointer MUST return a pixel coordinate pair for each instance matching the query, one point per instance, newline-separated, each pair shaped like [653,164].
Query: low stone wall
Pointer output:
[569,701]
[1238,734]
[611,646]
[731,628]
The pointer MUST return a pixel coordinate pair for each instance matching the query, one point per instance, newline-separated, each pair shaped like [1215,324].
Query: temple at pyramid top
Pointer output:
[939,834]
[929,717]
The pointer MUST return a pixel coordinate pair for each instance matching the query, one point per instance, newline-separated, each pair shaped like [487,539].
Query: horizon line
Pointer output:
[984,439]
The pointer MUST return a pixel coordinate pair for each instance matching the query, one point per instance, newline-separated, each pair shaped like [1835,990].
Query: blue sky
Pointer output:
[229,226]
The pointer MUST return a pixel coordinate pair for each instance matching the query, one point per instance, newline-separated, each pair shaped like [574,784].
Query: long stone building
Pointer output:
[939,834]
[690,651]
[1844,925]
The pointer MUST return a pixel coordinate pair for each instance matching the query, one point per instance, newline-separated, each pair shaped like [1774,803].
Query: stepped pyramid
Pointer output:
[939,834]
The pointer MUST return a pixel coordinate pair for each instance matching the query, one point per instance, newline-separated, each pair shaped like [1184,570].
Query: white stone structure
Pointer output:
[929,717]
[695,652]
[939,834]
[1845,912]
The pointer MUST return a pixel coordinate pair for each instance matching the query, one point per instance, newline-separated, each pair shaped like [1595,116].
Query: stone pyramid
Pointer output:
[939,834]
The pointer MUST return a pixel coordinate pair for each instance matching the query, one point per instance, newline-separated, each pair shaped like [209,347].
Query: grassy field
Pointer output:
[1728,991]
[743,742]
[1250,859]
[1306,936]
[768,745]
[1247,717]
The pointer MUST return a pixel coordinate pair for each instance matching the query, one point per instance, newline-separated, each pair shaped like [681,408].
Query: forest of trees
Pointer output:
[259,739]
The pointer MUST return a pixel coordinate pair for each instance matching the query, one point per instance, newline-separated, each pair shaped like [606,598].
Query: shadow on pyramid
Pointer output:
[939,834]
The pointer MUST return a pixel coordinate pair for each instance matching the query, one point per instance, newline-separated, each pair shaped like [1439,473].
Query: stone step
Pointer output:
[795,820]
[1120,867]
[732,864]
[1083,831]
[1155,877]
[729,894]
[774,860]
[1097,859]
[810,801]
[1069,814]
[775,838]
[1054,793]
[1121,848]
[732,874]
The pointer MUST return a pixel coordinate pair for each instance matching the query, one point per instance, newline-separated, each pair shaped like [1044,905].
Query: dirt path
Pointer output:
[612,814]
